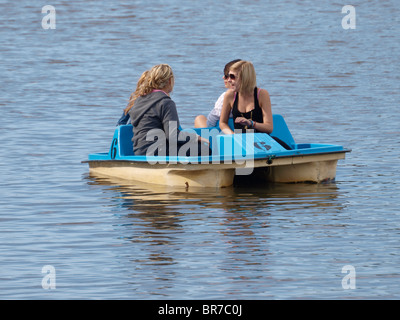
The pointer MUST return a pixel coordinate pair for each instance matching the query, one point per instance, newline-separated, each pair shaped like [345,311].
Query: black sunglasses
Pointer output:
[232,76]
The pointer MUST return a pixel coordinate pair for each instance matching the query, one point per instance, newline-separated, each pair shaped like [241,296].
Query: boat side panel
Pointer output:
[217,178]
[319,171]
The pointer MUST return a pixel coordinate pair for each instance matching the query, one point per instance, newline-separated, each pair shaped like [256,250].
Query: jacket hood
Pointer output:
[144,103]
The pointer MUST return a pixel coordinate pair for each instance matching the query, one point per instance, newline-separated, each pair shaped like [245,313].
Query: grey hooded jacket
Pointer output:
[153,111]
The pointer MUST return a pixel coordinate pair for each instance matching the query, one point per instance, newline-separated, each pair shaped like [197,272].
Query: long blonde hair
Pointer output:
[136,93]
[156,78]
[247,76]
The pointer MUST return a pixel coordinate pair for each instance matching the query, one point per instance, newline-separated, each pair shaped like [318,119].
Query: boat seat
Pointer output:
[125,140]
[125,135]
[281,131]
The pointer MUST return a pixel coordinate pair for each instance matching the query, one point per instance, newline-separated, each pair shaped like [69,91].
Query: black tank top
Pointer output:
[255,114]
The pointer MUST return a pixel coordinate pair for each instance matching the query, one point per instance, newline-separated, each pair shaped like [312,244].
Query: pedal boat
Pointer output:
[246,154]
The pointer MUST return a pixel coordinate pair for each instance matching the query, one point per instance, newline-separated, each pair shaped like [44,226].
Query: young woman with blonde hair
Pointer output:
[151,107]
[250,106]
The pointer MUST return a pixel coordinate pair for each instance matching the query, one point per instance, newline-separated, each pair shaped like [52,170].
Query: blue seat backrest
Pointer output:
[125,140]
[282,131]
[125,135]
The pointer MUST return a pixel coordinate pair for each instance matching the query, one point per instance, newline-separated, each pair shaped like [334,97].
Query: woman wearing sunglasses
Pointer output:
[250,106]
[214,115]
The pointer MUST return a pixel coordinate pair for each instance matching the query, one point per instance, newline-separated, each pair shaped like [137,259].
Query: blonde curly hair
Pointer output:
[157,78]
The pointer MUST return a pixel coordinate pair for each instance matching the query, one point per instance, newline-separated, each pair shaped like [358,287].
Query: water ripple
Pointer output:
[64,89]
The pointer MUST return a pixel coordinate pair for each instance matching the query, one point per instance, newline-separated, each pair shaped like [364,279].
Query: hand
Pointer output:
[243,121]
[203,140]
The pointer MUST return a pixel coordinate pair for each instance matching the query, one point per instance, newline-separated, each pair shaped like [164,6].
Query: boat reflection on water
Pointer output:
[181,234]
[161,202]
[147,193]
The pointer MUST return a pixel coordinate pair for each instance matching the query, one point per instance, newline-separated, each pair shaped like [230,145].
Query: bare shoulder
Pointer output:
[264,93]
[264,99]
[229,94]
[228,98]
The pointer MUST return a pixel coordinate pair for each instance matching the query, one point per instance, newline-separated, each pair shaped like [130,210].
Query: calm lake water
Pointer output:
[64,89]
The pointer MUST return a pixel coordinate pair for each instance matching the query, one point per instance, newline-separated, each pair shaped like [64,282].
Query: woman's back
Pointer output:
[151,112]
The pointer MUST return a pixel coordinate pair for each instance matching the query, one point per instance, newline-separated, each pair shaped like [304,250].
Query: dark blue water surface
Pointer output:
[63,89]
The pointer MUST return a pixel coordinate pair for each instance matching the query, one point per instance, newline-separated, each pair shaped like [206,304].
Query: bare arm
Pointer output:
[226,110]
[265,104]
